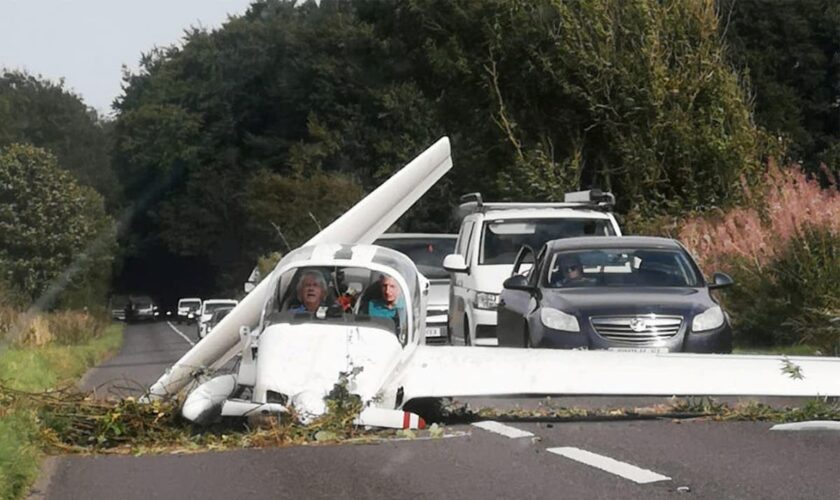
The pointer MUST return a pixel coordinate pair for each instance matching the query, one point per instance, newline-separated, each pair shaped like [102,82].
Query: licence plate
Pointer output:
[655,350]
[434,331]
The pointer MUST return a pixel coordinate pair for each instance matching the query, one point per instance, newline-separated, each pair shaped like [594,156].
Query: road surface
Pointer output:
[629,459]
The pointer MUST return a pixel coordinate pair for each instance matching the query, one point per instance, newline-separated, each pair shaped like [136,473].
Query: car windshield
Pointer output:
[621,267]
[502,239]
[190,304]
[208,308]
[427,253]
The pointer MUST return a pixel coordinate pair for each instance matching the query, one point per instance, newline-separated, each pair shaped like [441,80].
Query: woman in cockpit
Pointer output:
[311,292]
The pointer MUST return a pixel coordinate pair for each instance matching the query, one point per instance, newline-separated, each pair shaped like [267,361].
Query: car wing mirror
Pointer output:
[455,263]
[518,282]
[721,280]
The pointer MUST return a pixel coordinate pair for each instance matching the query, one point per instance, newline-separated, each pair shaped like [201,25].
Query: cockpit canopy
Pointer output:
[364,285]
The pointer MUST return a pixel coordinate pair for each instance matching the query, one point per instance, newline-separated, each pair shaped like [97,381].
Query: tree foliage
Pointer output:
[56,241]
[47,115]
[537,97]
[789,52]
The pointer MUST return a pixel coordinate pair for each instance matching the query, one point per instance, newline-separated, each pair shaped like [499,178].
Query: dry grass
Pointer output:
[760,231]
[37,329]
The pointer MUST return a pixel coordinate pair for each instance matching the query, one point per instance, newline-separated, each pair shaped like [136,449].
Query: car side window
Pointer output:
[524,261]
[533,277]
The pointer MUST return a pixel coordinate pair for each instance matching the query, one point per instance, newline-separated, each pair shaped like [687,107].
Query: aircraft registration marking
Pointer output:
[611,465]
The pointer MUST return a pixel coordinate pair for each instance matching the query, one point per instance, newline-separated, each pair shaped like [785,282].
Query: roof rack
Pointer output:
[592,199]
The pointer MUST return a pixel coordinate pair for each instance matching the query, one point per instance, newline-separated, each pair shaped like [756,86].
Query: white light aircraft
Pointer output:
[291,358]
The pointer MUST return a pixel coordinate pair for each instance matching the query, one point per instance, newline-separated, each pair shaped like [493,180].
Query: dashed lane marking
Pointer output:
[179,332]
[504,430]
[611,465]
[812,425]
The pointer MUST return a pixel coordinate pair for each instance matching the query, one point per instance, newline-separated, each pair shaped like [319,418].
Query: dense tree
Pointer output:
[636,97]
[538,98]
[47,115]
[56,241]
[789,50]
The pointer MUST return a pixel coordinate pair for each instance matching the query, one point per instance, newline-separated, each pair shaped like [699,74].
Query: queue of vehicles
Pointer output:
[499,282]
[510,288]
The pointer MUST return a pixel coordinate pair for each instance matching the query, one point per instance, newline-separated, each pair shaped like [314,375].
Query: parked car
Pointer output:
[188,309]
[490,237]
[117,305]
[140,308]
[208,307]
[619,293]
[427,251]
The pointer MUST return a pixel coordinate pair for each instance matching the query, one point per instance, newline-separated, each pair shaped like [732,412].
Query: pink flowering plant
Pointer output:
[783,249]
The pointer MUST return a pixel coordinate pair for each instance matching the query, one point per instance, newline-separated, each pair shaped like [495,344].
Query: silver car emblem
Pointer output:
[638,324]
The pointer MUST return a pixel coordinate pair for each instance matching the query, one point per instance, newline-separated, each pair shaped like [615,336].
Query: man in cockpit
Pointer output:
[311,292]
[391,305]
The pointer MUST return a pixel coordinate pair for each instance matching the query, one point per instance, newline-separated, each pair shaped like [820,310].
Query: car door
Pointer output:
[513,304]
[458,292]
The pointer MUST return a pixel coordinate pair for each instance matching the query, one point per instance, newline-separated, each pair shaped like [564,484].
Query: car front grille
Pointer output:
[636,330]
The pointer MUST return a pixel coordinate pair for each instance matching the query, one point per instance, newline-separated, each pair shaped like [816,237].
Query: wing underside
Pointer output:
[476,371]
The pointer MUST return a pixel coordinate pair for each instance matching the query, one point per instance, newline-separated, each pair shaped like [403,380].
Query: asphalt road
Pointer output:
[642,459]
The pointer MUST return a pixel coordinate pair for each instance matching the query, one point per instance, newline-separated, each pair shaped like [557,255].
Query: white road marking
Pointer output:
[504,430]
[179,332]
[611,465]
[813,425]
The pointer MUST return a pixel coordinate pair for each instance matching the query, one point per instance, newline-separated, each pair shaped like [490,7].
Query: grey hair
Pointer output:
[318,277]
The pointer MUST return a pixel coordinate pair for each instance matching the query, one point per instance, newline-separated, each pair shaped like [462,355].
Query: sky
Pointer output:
[87,42]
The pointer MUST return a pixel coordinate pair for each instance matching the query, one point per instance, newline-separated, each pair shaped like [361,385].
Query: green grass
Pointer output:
[39,369]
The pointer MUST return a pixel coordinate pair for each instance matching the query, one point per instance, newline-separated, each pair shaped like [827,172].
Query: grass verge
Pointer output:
[39,369]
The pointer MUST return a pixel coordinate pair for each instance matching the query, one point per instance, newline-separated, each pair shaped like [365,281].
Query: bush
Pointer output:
[783,250]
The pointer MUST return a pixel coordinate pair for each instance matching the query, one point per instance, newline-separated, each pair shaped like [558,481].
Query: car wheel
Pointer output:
[467,339]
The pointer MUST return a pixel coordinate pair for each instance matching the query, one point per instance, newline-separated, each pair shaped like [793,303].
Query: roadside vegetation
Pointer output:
[782,246]
[52,351]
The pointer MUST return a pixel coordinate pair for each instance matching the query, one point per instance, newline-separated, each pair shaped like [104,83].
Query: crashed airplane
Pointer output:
[291,357]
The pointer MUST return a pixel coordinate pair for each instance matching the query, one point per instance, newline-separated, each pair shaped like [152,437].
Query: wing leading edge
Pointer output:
[477,371]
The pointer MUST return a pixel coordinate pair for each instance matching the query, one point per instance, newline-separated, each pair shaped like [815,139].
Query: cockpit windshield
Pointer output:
[371,294]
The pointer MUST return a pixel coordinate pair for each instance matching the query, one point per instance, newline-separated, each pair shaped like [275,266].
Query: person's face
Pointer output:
[390,291]
[573,271]
[311,293]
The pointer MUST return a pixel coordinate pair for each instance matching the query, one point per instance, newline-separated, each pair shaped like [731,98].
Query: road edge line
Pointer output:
[179,332]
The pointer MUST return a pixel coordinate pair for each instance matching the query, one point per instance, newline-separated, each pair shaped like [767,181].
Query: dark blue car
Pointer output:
[620,293]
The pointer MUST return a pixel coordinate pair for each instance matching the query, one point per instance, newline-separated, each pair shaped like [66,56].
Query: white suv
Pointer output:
[490,237]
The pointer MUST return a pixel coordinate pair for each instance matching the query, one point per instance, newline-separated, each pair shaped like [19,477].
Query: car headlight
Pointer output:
[558,320]
[485,300]
[709,319]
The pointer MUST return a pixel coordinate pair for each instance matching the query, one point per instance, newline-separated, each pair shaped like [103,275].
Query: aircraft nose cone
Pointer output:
[309,405]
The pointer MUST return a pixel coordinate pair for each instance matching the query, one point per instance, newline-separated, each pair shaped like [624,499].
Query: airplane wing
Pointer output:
[492,371]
